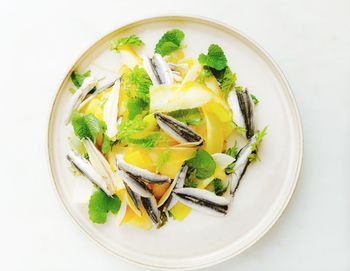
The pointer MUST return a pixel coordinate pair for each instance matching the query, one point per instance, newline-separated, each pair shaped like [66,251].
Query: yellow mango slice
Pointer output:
[139,157]
[219,110]
[215,137]
[180,211]
[142,221]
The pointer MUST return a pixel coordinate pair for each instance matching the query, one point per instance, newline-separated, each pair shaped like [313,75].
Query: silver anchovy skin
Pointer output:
[135,197]
[135,183]
[241,164]
[177,130]
[88,84]
[88,171]
[247,107]
[162,70]
[151,208]
[179,183]
[140,172]
[202,200]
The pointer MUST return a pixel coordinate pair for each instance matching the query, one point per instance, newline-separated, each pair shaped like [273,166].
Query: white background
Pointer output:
[310,40]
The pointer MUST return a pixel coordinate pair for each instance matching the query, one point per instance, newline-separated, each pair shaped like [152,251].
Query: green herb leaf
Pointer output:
[219,187]
[106,144]
[215,58]
[162,159]
[78,78]
[191,180]
[255,99]
[86,125]
[203,163]
[169,42]
[137,89]
[233,153]
[225,78]
[127,128]
[100,204]
[135,107]
[149,141]
[132,40]
[259,137]
[188,116]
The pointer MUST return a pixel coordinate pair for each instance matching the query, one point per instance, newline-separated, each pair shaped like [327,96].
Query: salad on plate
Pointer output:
[161,138]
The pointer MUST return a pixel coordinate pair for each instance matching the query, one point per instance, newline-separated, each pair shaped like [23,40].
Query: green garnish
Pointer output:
[215,58]
[225,78]
[135,107]
[169,42]
[203,163]
[86,125]
[132,40]
[187,116]
[231,152]
[259,137]
[100,204]
[255,99]
[219,187]
[191,180]
[137,89]
[162,159]
[148,141]
[127,128]
[106,144]
[78,78]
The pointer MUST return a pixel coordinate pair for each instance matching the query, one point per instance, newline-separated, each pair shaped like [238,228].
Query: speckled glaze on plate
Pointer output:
[199,241]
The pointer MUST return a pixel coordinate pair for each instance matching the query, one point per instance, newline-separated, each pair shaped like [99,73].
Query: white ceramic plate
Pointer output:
[199,240]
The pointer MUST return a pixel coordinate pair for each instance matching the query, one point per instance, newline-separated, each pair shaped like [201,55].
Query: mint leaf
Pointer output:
[132,40]
[255,99]
[135,107]
[137,90]
[187,116]
[78,78]
[100,204]
[215,58]
[203,163]
[149,141]
[169,42]
[191,180]
[128,128]
[225,78]
[86,125]
[162,159]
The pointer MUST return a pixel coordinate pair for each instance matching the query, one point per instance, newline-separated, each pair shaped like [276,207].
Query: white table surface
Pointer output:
[309,39]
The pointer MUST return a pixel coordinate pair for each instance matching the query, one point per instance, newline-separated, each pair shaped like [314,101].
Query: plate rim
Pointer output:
[198,19]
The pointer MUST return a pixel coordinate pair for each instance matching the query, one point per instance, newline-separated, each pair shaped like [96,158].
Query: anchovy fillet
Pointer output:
[241,164]
[88,84]
[135,198]
[88,171]
[247,108]
[151,208]
[146,175]
[162,70]
[177,130]
[135,183]
[178,183]
[202,200]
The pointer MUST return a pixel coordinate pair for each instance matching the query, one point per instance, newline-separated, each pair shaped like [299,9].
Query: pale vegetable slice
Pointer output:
[166,99]
[215,137]
[213,85]
[191,75]
[122,210]
[101,165]
[110,112]
[129,57]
